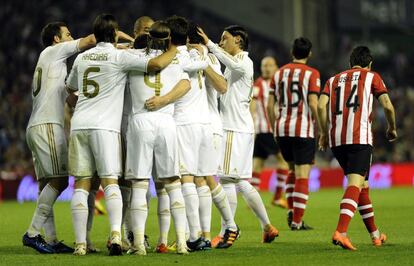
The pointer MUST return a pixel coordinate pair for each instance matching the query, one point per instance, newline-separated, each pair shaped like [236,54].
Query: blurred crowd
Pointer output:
[20,46]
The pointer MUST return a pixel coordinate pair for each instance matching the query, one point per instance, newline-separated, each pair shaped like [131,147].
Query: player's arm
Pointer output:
[218,81]
[389,112]
[323,121]
[271,109]
[179,90]
[193,63]
[87,42]
[160,62]
[227,59]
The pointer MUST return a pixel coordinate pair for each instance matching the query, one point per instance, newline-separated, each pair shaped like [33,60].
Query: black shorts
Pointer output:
[354,158]
[265,145]
[297,150]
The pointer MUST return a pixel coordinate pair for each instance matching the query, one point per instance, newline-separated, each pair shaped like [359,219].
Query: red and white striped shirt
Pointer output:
[350,105]
[261,91]
[293,83]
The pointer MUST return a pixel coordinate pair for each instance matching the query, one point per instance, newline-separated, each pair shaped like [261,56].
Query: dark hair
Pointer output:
[360,56]
[104,28]
[141,41]
[236,30]
[159,36]
[301,47]
[179,29]
[50,31]
[193,36]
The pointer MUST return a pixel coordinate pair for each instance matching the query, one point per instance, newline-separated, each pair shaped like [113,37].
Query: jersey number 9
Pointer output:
[157,85]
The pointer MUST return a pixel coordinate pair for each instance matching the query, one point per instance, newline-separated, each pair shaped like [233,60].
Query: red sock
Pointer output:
[255,180]
[281,181]
[300,198]
[348,206]
[366,210]
[290,186]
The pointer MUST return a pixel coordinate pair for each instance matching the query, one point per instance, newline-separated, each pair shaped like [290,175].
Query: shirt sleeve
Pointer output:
[193,63]
[130,61]
[67,49]
[315,83]
[215,64]
[326,90]
[72,80]
[378,86]
[227,59]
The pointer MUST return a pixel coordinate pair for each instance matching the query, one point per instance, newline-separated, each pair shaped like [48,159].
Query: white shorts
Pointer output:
[93,150]
[217,143]
[237,155]
[197,154]
[49,148]
[152,147]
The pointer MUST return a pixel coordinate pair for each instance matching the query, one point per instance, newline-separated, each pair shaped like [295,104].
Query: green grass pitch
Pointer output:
[394,212]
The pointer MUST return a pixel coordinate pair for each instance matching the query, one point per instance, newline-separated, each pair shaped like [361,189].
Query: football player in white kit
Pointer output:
[45,131]
[238,125]
[152,139]
[94,144]
[208,190]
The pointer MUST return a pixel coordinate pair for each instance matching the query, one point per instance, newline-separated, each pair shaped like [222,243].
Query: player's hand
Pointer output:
[323,142]
[391,135]
[154,103]
[123,36]
[202,35]
[197,47]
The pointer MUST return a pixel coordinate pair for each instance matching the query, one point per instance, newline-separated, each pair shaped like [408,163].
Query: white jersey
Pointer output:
[48,86]
[101,74]
[144,86]
[212,96]
[127,97]
[234,104]
[192,108]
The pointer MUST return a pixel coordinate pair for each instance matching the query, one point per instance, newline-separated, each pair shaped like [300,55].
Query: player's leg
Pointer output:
[126,190]
[95,183]
[204,196]
[304,155]
[259,157]
[282,172]
[258,164]
[164,217]
[139,214]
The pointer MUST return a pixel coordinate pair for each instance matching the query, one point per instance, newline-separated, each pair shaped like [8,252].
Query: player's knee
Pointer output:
[200,181]
[60,184]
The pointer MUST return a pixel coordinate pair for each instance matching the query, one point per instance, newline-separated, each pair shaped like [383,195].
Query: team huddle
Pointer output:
[159,106]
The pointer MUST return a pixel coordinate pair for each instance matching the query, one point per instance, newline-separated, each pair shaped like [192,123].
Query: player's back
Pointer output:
[193,106]
[235,103]
[146,85]
[101,75]
[350,106]
[293,84]
[48,85]
[212,97]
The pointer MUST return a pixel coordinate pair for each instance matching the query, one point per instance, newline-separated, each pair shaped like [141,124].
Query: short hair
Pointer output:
[50,31]
[236,30]
[193,36]
[179,29]
[301,48]
[159,36]
[360,56]
[141,41]
[141,20]
[104,28]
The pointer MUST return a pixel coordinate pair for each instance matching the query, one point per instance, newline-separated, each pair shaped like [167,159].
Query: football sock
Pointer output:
[281,176]
[290,187]
[222,203]
[254,201]
[164,215]
[43,210]
[50,229]
[79,206]
[139,210]
[366,211]
[348,206]
[177,208]
[204,196]
[231,193]
[113,200]
[192,209]
[300,198]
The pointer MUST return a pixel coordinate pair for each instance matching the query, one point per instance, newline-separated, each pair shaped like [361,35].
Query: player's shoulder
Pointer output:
[258,81]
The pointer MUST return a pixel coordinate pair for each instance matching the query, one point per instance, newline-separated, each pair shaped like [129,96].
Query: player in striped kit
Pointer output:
[265,143]
[238,128]
[345,110]
[297,87]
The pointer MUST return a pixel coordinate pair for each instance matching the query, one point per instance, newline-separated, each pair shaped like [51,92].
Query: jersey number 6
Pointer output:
[89,82]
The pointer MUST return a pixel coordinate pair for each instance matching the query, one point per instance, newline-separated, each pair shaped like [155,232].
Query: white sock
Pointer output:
[139,210]
[44,208]
[191,207]
[113,201]
[50,229]
[177,208]
[223,206]
[254,201]
[164,215]
[91,214]
[231,193]
[204,197]
[79,206]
